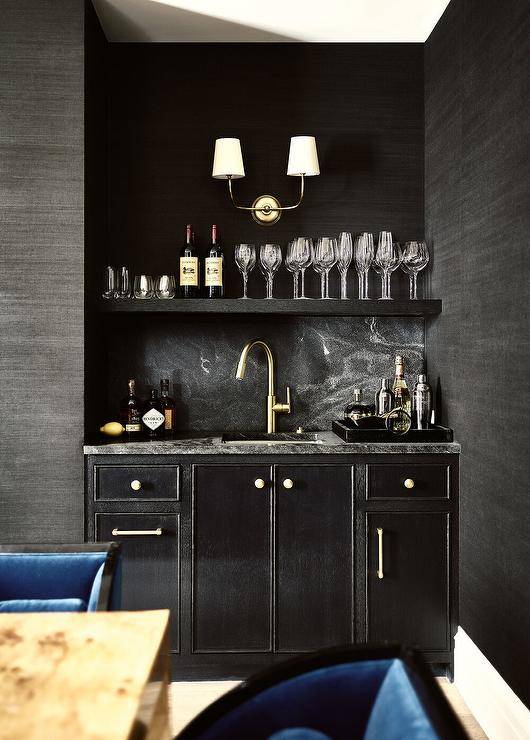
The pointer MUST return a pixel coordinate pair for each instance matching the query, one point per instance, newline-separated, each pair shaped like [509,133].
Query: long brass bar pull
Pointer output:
[380,573]
[137,532]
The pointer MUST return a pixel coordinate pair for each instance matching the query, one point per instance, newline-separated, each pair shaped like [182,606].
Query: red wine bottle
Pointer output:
[189,280]
[214,264]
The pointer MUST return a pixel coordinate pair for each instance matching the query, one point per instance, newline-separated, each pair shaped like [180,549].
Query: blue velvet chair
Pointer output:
[376,693]
[60,578]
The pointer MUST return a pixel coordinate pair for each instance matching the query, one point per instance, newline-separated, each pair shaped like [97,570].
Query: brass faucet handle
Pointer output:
[284,408]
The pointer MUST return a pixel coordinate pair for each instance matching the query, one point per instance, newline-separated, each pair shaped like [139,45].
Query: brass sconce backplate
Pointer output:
[266,211]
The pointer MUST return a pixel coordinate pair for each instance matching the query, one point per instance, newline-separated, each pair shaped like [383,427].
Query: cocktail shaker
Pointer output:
[421,403]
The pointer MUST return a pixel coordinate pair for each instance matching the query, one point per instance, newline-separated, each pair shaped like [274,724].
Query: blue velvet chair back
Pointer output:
[342,693]
[59,578]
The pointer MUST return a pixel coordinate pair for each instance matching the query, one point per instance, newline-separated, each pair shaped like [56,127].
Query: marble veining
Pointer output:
[321,358]
[329,444]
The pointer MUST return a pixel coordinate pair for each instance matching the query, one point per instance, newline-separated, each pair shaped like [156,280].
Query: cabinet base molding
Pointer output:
[496,707]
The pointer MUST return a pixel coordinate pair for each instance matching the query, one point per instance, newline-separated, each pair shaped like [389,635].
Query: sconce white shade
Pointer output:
[227,159]
[303,157]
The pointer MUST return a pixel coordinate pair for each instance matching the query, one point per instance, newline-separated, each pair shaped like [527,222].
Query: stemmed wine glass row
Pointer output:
[326,252]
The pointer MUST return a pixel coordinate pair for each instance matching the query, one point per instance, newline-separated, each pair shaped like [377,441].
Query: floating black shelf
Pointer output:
[285,306]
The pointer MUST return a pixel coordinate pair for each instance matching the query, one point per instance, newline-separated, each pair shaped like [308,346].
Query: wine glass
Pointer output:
[324,257]
[364,257]
[303,254]
[245,258]
[415,258]
[143,286]
[292,265]
[388,258]
[344,257]
[165,286]
[270,256]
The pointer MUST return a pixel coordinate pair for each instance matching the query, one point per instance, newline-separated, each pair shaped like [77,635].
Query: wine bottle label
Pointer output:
[168,420]
[133,427]
[153,419]
[189,271]
[214,272]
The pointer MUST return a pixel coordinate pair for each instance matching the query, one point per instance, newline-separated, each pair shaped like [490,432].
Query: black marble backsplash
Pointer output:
[322,359]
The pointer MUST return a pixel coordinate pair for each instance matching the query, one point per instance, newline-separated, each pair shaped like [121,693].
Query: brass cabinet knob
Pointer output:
[409,483]
[259,483]
[288,483]
[136,485]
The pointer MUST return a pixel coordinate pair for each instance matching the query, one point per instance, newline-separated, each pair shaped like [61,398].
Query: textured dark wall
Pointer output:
[167,104]
[41,284]
[476,212]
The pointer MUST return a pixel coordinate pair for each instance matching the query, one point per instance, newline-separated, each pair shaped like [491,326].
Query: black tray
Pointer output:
[349,432]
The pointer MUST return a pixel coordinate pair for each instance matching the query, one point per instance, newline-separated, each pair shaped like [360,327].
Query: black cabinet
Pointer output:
[272,558]
[150,561]
[313,556]
[408,578]
[261,556]
[232,558]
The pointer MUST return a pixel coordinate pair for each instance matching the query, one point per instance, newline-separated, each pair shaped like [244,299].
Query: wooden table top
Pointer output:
[83,675]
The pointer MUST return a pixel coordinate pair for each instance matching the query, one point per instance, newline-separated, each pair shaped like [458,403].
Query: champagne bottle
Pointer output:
[400,389]
[189,281]
[214,268]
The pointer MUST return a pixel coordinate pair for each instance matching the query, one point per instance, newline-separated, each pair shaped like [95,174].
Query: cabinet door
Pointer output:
[314,557]
[150,562]
[232,543]
[407,579]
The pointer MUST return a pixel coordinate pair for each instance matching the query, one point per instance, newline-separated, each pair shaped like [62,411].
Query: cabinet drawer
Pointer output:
[145,482]
[406,481]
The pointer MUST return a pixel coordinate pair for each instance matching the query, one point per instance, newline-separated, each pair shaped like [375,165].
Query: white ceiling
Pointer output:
[269,20]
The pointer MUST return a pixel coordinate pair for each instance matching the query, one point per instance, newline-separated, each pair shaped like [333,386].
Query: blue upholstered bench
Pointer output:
[59,578]
[372,693]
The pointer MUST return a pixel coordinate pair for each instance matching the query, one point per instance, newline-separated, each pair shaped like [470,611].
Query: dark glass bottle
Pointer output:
[214,264]
[189,279]
[153,417]
[131,411]
[168,407]
[357,408]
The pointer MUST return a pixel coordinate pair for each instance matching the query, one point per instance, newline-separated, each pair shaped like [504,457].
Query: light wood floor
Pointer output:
[188,698]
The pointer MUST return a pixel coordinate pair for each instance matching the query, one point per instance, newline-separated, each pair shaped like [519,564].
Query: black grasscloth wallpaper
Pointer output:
[476,211]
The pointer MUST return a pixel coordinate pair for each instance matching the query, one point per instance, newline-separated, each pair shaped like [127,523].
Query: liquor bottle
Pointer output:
[384,398]
[356,408]
[400,389]
[214,268]
[421,403]
[130,411]
[168,407]
[153,418]
[189,280]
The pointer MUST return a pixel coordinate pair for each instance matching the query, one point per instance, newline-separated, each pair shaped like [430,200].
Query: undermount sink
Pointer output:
[275,438]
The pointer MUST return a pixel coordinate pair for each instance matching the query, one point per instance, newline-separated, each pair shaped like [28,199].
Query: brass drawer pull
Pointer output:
[409,483]
[137,532]
[259,483]
[136,485]
[380,573]
[288,483]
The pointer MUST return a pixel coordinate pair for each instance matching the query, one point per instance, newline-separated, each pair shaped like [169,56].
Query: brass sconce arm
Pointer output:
[266,208]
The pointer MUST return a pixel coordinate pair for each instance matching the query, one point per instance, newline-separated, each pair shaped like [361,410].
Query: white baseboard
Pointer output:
[499,711]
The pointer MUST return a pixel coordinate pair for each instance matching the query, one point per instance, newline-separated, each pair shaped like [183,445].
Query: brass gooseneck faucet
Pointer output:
[273,408]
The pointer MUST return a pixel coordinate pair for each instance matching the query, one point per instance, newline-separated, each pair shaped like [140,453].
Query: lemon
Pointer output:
[112,428]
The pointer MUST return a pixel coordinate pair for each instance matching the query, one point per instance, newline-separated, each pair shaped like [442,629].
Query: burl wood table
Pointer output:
[92,675]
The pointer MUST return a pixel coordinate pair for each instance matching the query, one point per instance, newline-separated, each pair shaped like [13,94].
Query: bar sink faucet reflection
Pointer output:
[273,407]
